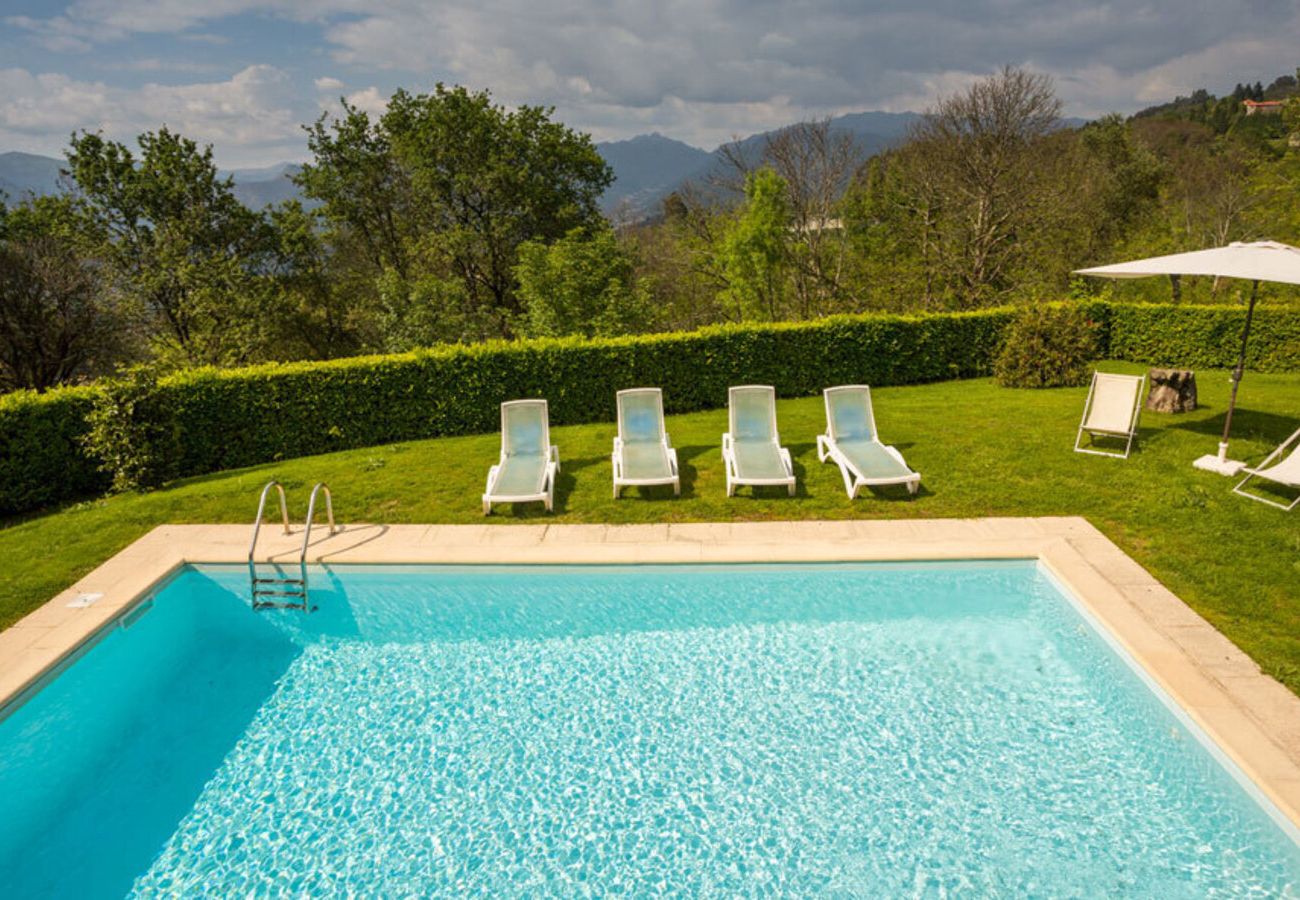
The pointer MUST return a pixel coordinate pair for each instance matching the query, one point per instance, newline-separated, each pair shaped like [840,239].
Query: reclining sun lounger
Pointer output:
[1112,410]
[852,444]
[642,455]
[1286,472]
[752,450]
[529,463]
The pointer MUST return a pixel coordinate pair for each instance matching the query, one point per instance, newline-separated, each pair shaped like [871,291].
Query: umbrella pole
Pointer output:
[1237,372]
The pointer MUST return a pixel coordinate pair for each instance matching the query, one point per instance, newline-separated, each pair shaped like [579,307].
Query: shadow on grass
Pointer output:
[686,467]
[1268,427]
[1271,492]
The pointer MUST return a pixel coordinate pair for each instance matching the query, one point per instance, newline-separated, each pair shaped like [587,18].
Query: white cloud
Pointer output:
[248,117]
[89,22]
[700,70]
[704,70]
[370,100]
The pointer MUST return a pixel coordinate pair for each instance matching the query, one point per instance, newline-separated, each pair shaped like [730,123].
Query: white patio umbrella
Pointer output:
[1255,262]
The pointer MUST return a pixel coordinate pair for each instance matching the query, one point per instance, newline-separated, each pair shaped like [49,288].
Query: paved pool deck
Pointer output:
[1254,719]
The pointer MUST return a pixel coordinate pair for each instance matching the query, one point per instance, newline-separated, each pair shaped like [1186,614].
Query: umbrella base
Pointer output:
[1212,462]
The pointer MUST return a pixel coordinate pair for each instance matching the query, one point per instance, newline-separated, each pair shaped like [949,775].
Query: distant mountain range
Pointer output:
[27,174]
[646,168]
[649,167]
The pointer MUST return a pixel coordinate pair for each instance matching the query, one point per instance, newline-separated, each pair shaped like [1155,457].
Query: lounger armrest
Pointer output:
[492,477]
[785,458]
[618,444]
[555,457]
[672,459]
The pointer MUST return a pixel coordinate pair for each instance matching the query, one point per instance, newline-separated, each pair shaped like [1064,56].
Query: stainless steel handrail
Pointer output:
[261,508]
[311,515]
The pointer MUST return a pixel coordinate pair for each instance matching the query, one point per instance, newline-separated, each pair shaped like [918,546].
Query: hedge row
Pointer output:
[1205,336]
[236,418]
[41,458]
[231,418]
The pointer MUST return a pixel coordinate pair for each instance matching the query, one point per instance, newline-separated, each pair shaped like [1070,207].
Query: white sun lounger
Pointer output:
[529,462]
[1286,472]
[852,444]
[752,450]
[1112,411]
[642,455]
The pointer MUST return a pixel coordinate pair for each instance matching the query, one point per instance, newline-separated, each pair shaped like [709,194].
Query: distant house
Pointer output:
[820,225]
[1263,107]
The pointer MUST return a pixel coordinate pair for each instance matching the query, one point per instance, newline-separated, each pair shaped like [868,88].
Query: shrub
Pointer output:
[1205,336]
[131,432]
[1047,346]
[41,457]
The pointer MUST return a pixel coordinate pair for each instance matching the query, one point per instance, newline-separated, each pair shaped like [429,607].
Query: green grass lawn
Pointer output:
[982,450]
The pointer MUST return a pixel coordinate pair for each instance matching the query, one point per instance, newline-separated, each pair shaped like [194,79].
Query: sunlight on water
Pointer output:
[852,729]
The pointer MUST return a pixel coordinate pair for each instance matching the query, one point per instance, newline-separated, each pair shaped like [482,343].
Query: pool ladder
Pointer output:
[280,592]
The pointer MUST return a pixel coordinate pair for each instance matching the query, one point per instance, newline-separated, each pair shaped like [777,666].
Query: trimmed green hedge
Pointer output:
[238,417]
[1205,336]
[41,457]
[234,418]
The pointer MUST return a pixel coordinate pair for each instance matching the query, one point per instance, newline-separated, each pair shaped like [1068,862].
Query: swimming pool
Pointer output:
[876,729]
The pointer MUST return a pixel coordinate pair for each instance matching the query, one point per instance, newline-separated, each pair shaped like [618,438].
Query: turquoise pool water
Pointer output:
[870,730]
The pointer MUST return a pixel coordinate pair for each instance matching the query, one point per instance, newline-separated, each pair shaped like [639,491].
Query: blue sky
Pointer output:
[244,75]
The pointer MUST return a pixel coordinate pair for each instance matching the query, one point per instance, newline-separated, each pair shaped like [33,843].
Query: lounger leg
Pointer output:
[912,488]
[677,488]
[850,483]
[791,488]
[487,507]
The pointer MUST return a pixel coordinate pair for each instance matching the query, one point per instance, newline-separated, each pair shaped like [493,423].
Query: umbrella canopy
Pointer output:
[1254,261]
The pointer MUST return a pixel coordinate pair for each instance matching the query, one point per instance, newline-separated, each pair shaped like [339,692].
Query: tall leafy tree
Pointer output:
[581,284]
[179,243]
[755,249]
[312,313]
[448,185]
[58,323]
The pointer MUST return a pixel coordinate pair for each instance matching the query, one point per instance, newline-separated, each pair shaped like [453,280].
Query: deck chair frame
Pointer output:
[854,480]
[547,493]
[1254,472]
[1127,436]
[620,478]
[729,445]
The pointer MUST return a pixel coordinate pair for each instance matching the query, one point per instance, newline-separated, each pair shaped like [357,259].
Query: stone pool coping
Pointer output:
[1253,718]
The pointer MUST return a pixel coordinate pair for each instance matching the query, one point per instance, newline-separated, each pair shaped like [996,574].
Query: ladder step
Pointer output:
[269,604]
[278,581]
[279,593]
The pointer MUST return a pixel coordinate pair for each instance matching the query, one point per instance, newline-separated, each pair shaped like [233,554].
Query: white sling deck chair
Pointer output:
[752,450]
[852,444]
[642,455]
[1286,472]
[1112,411]
[529,462]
